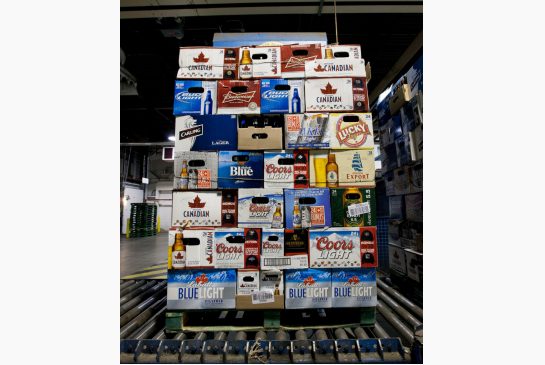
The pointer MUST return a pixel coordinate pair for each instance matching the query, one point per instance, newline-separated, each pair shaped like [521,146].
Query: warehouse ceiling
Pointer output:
[150,44]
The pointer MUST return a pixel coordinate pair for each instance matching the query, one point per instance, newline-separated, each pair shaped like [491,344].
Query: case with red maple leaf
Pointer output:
[336,94]
[265,62]
[196,208]
[198,248]
[294,57]
[336,67]
[208,63]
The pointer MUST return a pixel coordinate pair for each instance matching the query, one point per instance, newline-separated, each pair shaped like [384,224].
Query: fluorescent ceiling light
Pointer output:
[172,138]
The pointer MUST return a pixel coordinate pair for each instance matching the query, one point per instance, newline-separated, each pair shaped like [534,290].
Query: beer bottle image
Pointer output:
[277,217]
[276,289]
[183,176]
[352,196]
[332,172]
[192,183]
[296,101]
[296,214]
[178,252]
[251,235]
[208,103]
[329,53]
[245,67]
[305,217]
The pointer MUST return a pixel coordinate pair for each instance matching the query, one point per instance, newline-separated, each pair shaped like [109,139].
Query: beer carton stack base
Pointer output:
[274,202]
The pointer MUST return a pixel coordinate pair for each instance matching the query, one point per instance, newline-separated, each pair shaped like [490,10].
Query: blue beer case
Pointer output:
[282,96]
[195,97]
[206,133]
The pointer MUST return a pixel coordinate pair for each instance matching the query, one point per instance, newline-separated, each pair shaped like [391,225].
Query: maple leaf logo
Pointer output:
[354,280]
[309,281]
[200,59]
[246,68]
[178,256]
[319,69]
[202,279]
[196,203]
[328,89]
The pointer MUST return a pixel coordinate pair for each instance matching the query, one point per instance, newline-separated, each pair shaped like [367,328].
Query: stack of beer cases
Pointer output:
[274,199]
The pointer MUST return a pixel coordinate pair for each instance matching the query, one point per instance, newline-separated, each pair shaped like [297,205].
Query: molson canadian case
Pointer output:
[309,288]
[265,61]
[247,281]
[239,97]
[335,67]
[294,57]
[201,170]
[286,169]
[208,63]
[282,96]
[257,207]
[306,208]
[353,288]
[353,207]
[201,289]
[198,248]
[309,130]
[335,247]
[356,167]
[196,209]
[336,94]
[206,133]
[240,169]
[351,51]
[351,130]
[194,97]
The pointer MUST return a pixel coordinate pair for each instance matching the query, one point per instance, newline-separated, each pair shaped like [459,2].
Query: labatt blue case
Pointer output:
[201,289]
[282,96]
[195,97]
[240,169]
[354,287]
[206,133]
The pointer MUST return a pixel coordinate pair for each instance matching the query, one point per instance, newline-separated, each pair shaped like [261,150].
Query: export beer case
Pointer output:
[206,133]
[352,288]
[309,130]
[260,132]
[314,206]
[286,169]
[334,248]
[240,169]
[201,289]
[282,96]
[336,94]
[356,167]
[195,97]
[207,63]
[351,130]
[256,207]
[239,97]
[308,288]
[294,57]
[361,203]
[202,170]
[196,208]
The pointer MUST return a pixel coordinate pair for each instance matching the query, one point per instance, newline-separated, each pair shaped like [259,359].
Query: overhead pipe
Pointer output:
[400,298]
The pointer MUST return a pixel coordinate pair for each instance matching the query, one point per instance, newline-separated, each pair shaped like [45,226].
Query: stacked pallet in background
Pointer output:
[400,119]
[143,220]
[274,188]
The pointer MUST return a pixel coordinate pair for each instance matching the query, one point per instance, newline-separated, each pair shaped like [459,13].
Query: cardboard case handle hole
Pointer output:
[353,196]
[272,238]
[341,54]
[259,56]
[196,163]
[300,52]
[259,136]
[307,200]
[351,118]
[282,87]
[260,200]
[239,89]
[242,158]
[286,161]
[195,90]
[191,241]
[235,239]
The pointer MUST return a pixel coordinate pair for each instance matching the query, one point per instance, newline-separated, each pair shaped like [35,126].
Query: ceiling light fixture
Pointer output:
[172,138]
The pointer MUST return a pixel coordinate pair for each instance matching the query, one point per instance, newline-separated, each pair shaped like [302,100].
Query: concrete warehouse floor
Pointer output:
[144,258]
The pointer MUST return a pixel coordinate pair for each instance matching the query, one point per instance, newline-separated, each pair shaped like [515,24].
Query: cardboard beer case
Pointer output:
[202,169]
[397,259]
[416,177]
[314,206]
[353,288]
[336,95]
[229,208]
[198,248]
[208,63]
[335,67]
[414,207]
[294,57]
[401,181]
[256,207]
[356,167]
[206,133]
[351,130]
[195,97]
[239,97]
[196,208]
[401,93]
[309,130]
[201,289]
[308,288]
[282,96]
[414,265]
[272,242]
[334,248]
[369,247]
[260,132]
[270,292]
[351,211]
[240,169]
[265,61]
[286,169]
[237,248]
[247,281]
[350,51]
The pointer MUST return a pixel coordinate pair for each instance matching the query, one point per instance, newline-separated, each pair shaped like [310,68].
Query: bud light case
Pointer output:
[354,288]
[256,207]
[335,247]
[240,169]
[206,133]
[282,96]
[201,289]
[195,97]
[314,206]
[310,288]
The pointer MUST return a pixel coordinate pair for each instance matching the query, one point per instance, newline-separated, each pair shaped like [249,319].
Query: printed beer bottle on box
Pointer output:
[178,252]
